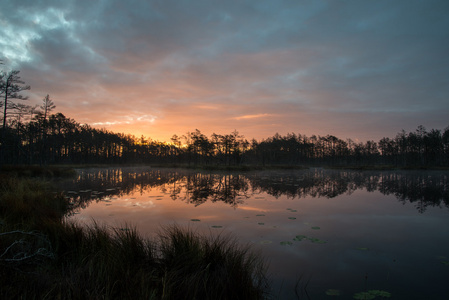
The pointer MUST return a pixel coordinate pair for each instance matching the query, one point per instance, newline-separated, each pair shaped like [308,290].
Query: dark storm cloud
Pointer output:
[350,68]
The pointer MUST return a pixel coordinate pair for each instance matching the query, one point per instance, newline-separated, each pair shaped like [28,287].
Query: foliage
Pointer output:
[56,139]
[44,257]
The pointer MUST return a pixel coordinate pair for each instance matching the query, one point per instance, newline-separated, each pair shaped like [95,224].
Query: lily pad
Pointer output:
[195,220]
[333,292]
[292,218]
[317,241]
[380,293]
[446,263]
[260,215]
[265,242]
[363,249]
[293,210]
[216,226]
[286,243]
[261,223]
[364,296]
[300,238]
[315,227]
[372,294]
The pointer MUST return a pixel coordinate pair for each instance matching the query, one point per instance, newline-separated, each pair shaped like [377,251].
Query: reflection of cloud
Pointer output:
[252,116]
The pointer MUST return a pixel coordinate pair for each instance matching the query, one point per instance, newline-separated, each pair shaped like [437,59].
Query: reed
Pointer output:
[208,267]
[42,256]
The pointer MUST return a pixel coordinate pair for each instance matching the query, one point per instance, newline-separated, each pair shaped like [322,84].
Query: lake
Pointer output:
[324,233]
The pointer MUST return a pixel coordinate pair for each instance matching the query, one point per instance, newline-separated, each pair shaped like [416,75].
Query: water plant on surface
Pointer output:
[286,243]
[333,292]
[372,294]
[300,238]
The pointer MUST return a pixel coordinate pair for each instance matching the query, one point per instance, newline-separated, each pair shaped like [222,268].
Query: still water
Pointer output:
[324,233]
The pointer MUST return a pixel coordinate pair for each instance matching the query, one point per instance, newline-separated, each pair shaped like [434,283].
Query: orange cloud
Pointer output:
[252,116]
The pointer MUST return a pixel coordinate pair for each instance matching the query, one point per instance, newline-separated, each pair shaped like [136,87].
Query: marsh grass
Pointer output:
[42,256]
[37,171]
[208,267]
[29,201]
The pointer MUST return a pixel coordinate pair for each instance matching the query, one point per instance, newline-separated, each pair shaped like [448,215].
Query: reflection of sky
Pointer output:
[402,244]
[358,69]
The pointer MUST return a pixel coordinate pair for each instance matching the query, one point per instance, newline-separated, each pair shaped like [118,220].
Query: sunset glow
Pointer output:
[358,69]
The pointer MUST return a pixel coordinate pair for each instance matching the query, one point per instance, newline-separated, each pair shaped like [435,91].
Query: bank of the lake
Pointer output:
[43,256]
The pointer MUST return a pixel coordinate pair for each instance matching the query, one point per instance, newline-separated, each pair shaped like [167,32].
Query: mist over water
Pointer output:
[321,231]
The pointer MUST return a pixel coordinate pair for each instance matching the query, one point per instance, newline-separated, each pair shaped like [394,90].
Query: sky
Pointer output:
[354,69]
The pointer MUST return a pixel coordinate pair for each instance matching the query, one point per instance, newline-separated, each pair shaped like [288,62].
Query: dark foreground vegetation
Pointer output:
[42,256]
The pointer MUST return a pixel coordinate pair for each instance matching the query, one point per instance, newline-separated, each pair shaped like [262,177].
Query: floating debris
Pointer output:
[261,223]
[292,218]
[315,227]
[216,226]
[261,215]
[195,220]
[362,249]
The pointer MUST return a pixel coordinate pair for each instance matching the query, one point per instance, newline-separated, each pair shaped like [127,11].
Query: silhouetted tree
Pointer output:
[47,106]
[10,87]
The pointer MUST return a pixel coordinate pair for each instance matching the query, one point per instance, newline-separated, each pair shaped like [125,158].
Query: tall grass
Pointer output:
[202,267]
[44,257]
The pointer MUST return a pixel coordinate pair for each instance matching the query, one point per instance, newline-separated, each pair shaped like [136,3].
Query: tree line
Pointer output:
[35,135]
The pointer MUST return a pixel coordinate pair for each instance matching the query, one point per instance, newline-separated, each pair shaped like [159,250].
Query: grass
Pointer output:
[42,256]
[37,171]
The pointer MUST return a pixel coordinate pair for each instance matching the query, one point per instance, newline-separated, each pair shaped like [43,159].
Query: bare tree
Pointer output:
[10,87]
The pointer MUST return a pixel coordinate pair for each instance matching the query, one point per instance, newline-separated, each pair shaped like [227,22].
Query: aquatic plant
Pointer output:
[43,256]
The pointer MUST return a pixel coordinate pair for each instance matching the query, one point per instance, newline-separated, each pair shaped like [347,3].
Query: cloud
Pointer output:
[252,116]
[353,69]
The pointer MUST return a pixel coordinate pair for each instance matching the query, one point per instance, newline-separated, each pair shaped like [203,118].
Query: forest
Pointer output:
[36,135]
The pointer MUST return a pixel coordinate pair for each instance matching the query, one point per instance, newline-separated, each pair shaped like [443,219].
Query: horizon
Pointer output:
[354,70]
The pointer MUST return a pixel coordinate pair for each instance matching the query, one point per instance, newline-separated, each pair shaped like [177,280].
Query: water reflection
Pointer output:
[424,189]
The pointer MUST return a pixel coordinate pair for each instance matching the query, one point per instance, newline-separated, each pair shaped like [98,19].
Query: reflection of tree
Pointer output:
[422,188]
[228,188]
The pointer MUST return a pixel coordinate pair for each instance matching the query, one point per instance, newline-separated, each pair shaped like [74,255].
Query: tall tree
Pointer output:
[10,87]
[47,106]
